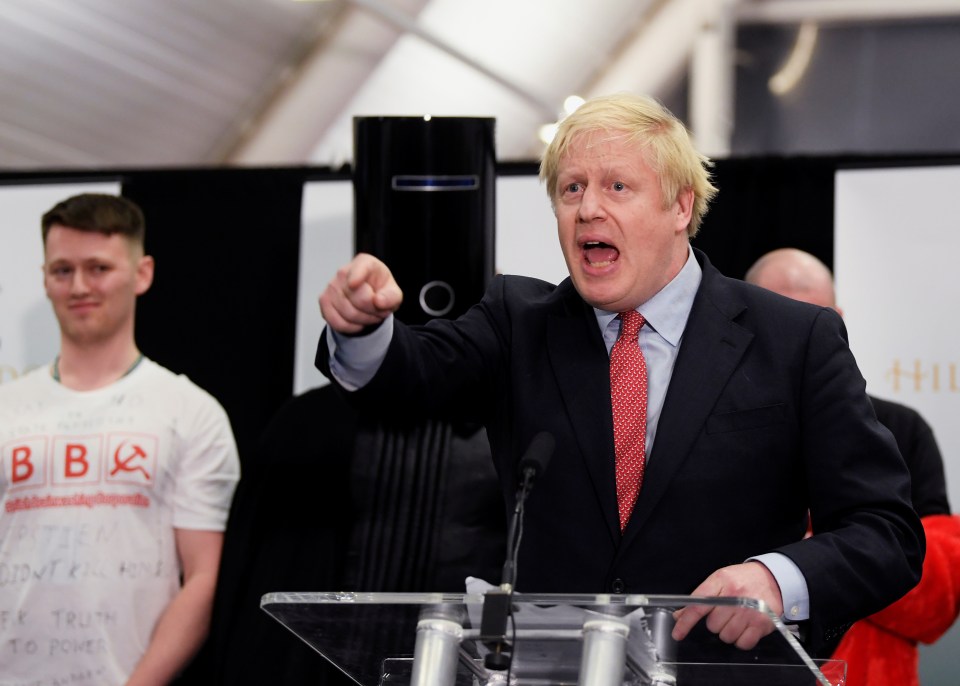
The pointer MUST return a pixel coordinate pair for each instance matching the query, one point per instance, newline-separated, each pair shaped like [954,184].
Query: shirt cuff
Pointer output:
[354,360]
[793,587]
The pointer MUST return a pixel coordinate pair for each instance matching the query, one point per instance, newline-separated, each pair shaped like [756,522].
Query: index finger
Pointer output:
[691,614]
[367,269]
[687,618]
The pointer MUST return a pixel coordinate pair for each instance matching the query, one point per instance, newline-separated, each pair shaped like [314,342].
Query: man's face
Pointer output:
[620,243]
[92,281]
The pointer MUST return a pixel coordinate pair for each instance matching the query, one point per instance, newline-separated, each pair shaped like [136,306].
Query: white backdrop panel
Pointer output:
[326,243]
[28,330]
[896,246]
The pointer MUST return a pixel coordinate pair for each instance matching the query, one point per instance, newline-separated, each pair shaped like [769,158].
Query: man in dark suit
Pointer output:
[754,410]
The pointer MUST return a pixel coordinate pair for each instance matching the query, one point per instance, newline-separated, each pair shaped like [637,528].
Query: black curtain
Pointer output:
[222,309]
[768,203]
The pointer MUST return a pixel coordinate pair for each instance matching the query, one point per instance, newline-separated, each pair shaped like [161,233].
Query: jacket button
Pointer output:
[618,586]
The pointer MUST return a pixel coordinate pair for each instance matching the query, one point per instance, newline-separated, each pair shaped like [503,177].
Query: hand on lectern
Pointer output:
[363,293]
[741,626]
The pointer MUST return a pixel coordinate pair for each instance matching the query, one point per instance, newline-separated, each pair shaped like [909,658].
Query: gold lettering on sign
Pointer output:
[922,377]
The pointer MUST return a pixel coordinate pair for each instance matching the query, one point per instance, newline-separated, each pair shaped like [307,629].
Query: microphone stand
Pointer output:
[509,572]
[497,602]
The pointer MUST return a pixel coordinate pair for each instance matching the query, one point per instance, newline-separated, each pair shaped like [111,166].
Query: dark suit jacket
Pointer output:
[765,418]
[914,437]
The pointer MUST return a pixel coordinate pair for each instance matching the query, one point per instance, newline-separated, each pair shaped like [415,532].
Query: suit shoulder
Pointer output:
[753,302]
[524,285]
[529,300]
[761,297]
[530,291]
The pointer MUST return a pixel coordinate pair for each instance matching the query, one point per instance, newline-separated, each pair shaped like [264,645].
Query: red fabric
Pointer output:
[628,397]
[881,650]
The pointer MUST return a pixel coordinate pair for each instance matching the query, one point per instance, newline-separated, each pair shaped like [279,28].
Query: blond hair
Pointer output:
[665,141]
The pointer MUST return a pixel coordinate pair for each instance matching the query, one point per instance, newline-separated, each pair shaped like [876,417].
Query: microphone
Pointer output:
[533,464]
[535,461]
[496,603]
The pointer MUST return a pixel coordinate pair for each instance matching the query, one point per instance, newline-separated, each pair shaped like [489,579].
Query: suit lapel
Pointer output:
[712,347]
[580,364]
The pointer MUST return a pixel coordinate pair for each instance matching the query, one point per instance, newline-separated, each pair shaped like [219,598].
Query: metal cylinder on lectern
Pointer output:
[604,652]
[437,648]
[424,203]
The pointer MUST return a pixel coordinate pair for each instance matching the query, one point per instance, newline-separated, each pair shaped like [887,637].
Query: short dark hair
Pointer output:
[97,212]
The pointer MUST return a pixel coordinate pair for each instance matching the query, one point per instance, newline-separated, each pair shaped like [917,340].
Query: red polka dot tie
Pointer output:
[628,395]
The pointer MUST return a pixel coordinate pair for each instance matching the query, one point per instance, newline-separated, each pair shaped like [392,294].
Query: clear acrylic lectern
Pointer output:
[444,639]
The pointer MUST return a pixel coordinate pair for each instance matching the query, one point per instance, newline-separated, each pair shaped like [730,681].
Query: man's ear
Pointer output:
[684,208]
[144,278]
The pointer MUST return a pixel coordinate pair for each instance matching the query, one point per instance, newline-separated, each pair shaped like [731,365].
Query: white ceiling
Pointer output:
[152,83]
[94,83]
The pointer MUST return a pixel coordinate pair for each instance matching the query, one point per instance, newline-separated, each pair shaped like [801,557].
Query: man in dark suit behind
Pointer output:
[755,409]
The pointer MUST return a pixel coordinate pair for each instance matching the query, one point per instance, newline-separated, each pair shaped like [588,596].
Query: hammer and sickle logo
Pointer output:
[123,460]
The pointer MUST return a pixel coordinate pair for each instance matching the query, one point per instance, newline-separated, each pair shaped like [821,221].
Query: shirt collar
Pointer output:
[668,310]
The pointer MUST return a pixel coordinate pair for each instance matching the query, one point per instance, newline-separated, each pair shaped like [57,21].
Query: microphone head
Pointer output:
[538,454]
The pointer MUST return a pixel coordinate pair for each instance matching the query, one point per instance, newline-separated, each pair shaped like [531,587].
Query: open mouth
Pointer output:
[599,254]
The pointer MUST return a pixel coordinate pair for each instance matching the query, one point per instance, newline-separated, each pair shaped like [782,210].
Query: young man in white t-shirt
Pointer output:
[116,477]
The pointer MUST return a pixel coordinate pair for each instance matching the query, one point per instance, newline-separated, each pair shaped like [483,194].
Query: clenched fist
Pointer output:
[363,293]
